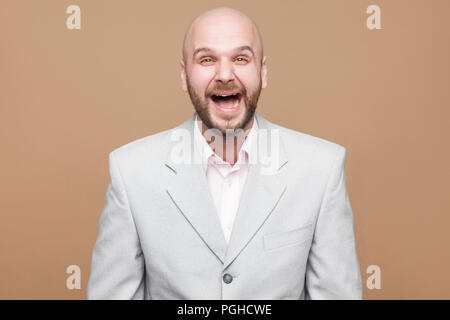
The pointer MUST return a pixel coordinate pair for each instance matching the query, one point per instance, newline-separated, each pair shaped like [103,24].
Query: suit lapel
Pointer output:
[261,192]
[189,190]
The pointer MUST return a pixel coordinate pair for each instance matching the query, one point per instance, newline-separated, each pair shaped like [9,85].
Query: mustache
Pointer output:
[209,92]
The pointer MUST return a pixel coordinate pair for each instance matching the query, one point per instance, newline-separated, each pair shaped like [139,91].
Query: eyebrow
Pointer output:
[205,49]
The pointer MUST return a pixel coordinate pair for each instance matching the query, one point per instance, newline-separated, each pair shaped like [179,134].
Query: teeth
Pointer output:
[225,95]
[229,95]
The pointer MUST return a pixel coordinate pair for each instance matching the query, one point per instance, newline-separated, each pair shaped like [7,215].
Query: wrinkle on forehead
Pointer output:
[223,14]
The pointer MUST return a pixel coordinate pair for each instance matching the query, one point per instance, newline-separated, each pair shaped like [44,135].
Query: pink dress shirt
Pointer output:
[225,181]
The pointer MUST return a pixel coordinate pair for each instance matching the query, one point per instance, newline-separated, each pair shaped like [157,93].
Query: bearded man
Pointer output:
[227,205]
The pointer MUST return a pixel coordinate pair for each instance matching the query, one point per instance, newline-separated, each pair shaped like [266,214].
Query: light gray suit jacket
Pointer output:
[159,235]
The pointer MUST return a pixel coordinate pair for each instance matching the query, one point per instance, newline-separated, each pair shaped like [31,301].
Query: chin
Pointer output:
[234,124]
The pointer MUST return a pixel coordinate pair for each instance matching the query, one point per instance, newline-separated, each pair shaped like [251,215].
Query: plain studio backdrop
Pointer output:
[69,97]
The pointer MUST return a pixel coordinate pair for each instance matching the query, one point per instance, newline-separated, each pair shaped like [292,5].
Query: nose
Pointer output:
[225,72]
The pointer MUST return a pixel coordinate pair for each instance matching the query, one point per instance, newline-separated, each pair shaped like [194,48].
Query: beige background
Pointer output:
[68,98]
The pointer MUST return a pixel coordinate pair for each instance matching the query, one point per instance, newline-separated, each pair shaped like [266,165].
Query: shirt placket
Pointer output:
[227,202]
[230,199]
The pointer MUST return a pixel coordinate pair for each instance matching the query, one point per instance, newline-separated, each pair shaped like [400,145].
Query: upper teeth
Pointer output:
[225,95]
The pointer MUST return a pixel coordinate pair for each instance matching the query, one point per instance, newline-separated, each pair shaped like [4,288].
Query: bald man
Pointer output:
[227,205]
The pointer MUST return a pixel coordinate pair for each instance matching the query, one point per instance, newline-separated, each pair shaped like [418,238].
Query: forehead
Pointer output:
[221,34]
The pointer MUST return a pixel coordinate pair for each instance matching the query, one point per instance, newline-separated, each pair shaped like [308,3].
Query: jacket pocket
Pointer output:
[288,238]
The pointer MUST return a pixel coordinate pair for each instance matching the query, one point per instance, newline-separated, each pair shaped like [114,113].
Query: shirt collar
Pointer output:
[207,154]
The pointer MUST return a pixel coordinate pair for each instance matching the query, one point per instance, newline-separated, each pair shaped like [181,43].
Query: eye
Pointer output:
[206,61]
[242,60]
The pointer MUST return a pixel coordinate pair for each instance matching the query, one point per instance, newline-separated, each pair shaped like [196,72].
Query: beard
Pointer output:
[201,105]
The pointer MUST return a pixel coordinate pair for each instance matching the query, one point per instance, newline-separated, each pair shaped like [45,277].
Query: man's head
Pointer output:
[223,68]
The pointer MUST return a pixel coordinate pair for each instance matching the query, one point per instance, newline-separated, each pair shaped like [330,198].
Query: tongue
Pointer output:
[226,102]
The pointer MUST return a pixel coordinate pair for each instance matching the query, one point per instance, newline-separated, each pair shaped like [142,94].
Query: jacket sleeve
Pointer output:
[332,270]
[117,267]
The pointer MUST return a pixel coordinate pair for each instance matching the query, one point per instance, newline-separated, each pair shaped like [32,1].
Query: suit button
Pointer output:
[227,278]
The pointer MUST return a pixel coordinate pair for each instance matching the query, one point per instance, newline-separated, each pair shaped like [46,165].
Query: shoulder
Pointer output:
[303,144]
[311,159]
[152,148]
[145,148]
[310,151]
[311,143]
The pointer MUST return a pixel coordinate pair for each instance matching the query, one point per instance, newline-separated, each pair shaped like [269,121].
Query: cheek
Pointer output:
[249,77]
[201,77]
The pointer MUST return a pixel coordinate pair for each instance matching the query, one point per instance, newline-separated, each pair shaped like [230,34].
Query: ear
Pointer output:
[183,75]
[264,72]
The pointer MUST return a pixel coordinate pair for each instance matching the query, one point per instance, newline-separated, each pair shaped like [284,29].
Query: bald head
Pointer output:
[223,19]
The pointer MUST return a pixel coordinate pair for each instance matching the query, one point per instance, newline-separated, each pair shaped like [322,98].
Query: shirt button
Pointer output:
[227,278]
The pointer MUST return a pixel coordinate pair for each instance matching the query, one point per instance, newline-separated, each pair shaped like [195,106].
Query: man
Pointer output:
[206,211]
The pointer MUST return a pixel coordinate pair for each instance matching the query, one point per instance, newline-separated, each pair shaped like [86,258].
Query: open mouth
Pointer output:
[227,102]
